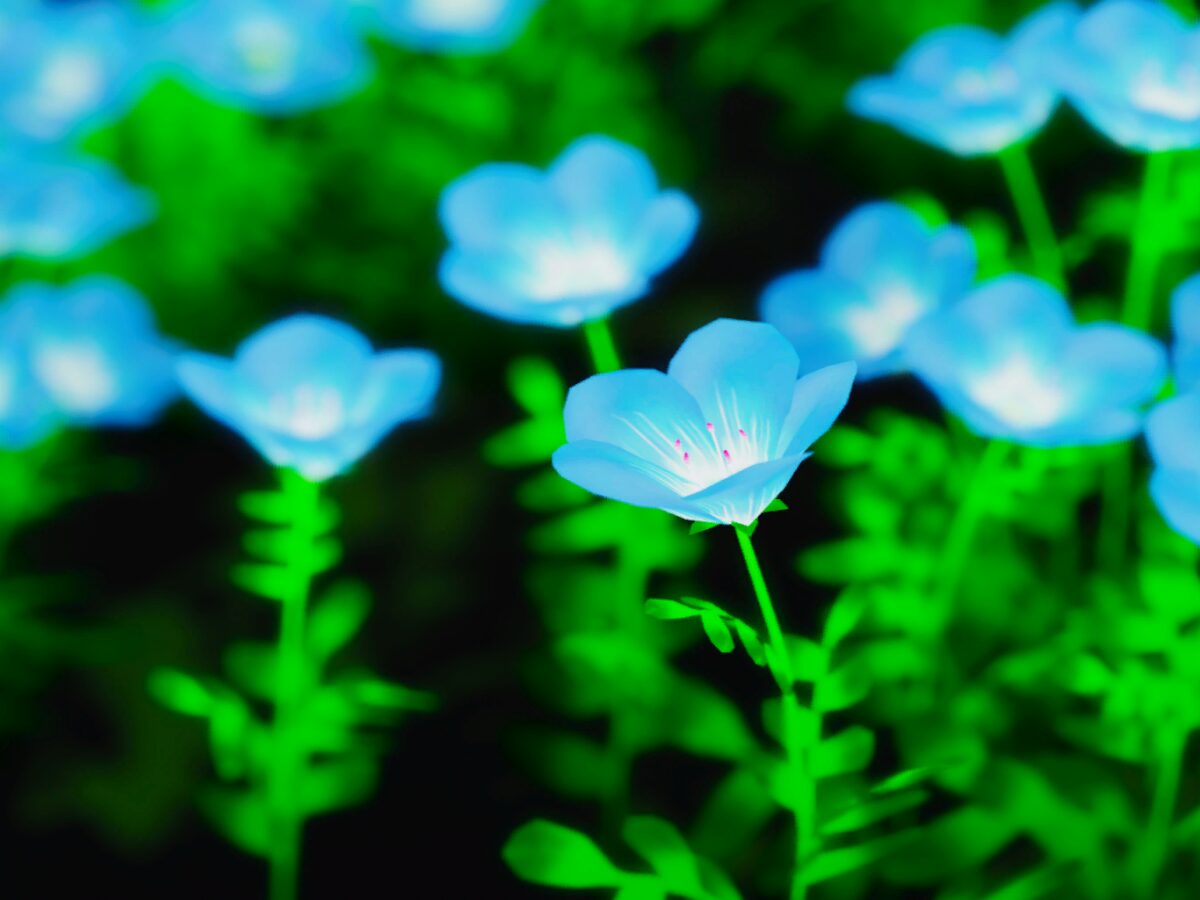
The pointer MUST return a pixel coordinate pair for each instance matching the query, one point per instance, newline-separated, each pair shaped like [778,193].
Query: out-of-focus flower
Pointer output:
[567,245]
[56,206]
[714,439]
[1185,319]
[1173,434]
[1010,360]
[882,270]
[94,350]
[461,26]
[26,414]
[65,68]
[267,56]
[310,394]
[968,90]
[1132,68]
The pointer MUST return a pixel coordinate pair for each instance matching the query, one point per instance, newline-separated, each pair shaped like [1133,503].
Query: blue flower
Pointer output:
[1173,435]
[882,270]
[67,68]
[464,26]
[26,414]
[275,57]
[716,438]
[967,90]
[1010,360]
[564,246]
[310,394]
[60,207]
[1185,319]
[95,352]
[1132,68]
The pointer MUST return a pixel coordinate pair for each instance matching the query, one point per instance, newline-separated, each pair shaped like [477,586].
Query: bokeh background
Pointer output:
[121,541]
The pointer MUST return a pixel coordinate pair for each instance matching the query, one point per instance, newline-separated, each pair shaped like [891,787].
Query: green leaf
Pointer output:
[843,617]
[841,688]
[660,844]
[543,852]
[717,631]
[229,736]
[337,618]
[847,751]
[809,659]
[271,582]
[180,692]
[536,385]
[844,860]
[751,641]
[377,692]
[701,527]
[240,816]
[642,890]
[337,784]
[660,608]
[570,763]
[251,667]
[325,554]
[272,545]
[269,507]
[871,811]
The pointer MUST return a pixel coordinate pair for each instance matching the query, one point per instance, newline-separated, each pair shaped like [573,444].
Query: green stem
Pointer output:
[961,535]
[805,807]
[1032,211]
[286,770]
[601,345]
[1157,838]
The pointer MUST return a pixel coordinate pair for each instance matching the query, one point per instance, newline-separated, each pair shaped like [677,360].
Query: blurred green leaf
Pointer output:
[546,853]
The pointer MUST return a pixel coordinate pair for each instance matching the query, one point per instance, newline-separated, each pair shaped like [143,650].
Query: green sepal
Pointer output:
[701,527]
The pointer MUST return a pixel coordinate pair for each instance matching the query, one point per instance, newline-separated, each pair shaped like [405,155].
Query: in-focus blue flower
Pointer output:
[274,57]
[968,90]
[55,206]
[1173,435]
[458,26]
[1185,319]
[564,246]
[882,270]
[1132,68]
[310,394]
[95,351]
[716,438]
[26,414]
[65,68]
[1010,360]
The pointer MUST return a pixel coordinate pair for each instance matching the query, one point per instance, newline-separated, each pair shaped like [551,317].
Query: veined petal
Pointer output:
[400,385]
[742,497]
[615,473]
[817,400]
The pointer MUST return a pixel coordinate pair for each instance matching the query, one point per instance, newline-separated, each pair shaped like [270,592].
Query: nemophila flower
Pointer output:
[68,67]
[1173,435]
[267,56]
[56,206]
[310,394]
[882,270]
[469,26]
[714,439]
[1132,68]
[1010,361]
[968,90]
[95,352]
[567,245]
[1185,319]
[26,414]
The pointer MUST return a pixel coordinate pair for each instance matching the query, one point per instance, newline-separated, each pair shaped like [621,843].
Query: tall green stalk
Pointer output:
[961,535]
[601,345]
[1033,214]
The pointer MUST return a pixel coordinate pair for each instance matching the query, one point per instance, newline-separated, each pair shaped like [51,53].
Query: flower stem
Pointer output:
[961,535]
[1157,838]
[601,345]
[1034,216]
[805,800]
[286,770]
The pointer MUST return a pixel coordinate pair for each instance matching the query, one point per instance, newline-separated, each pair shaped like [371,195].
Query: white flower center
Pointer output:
[878,327]
[71,81]
[76,375]
[267,46]
[696,455]
[310,412]
[1018,394]
[1176,97]
[983,85]
[583,267]
[456,15]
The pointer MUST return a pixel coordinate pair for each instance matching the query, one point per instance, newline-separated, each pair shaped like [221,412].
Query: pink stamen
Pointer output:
[678,443]
[687,457]
[742,432]
[708,425]
[727,456]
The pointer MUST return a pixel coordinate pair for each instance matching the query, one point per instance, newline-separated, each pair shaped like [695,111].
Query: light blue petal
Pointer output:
[501,205]
[305,349]
[809,308]
[1043,33]
[1173,433]
[213,384]
[1185,321]
[665,231]
[1177,494]
[609,471]
[940,55]
[817,401]
[742,497]
[605,186]
[1121,366]
[400,385]
[742,374]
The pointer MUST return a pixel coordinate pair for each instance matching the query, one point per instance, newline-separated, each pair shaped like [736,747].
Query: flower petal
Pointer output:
[817,401]
[308,349]
[605,186]
[1173,433]
[1121,366]
[1177,494]
[615,473]
[500,205]
[665,231]
[1185,320]
[742,497]
[809,308]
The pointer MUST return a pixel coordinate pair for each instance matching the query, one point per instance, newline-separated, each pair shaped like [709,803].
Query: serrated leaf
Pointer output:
[337,618]
[841,688]
[180,692]
[844,860]
[869,812]
[543,852]
[717,631]
[848,751]
[843,617]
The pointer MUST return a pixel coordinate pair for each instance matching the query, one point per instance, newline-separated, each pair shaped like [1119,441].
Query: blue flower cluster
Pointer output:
[1130,67]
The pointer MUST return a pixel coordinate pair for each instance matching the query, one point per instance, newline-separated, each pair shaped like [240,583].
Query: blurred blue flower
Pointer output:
[882,270]
[26,414]
[310,394]
[275,57]
[65,68]
[1185,319]
[967,90]
[463,26]
[1010,361]
[1173,435]
[1132,68]
[59,207]
[716,438]
[95,352]
[564,246]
